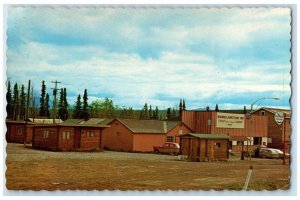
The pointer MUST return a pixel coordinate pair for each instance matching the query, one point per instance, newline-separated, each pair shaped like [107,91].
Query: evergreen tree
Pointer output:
[16,101]
[77,108]
[9,106]
[85,114]
[47,110]
[156,112]
[150,112]
[60,113]
[22,103]
[217,108]
[245,110]
[183,105]
[180,108]
[145,114]
[43,99]
[65,104]
[207,108]
[169,113]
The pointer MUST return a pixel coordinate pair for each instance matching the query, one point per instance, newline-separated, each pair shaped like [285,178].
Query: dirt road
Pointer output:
[29,169]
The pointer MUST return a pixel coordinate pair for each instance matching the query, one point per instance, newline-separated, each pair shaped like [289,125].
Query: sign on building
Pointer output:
[229,120]
[279,117]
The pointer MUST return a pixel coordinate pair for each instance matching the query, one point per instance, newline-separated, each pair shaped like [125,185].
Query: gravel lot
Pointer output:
[29,169]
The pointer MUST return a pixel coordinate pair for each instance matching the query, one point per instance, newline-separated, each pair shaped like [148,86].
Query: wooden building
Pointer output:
[243,131]
[16,129]
[67,137]
[15,132]
[277,132]
[141,135]
[204,147]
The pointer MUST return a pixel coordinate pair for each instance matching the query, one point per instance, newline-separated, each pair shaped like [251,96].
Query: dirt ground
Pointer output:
[29,169]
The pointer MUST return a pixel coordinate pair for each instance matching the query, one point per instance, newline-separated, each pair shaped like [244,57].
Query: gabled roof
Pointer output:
[274,110]
[45,121]
[148,126]
[97,121]
[207,136]
[73,121]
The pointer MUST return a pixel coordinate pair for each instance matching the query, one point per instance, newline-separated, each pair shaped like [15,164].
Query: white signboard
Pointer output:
[279,117]
[229,120]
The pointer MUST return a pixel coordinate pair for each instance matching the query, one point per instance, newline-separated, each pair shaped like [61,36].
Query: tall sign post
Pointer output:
[279,119]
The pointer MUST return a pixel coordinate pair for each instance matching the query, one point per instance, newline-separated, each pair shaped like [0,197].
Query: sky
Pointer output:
[230,57]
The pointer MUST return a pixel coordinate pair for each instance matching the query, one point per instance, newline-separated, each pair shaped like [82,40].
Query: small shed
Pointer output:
[204,147]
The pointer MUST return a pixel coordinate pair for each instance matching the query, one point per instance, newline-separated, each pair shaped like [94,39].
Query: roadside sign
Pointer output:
[279,117]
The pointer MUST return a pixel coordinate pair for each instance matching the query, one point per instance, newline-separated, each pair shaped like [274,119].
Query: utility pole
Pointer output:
[54,100]
[27,110]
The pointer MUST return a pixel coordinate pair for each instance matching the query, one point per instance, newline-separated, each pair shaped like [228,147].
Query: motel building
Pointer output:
[245,133]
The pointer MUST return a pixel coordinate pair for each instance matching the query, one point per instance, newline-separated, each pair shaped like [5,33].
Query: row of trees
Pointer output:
[16,106]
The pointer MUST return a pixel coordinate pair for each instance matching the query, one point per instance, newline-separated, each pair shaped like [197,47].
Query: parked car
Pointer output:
[268,153]
[167,148]
[281,154]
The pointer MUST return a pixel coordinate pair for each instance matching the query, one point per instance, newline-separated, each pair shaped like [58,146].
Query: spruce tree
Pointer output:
[183,104]
[180,108]
[245,110]
[43,99]
[22,103]
[16,101]
[217,108]
[156,112]
[169,113]
[9,106]
[65,104]
[47,110]
[85,112]
[150,112]
[60,113]
[77,108]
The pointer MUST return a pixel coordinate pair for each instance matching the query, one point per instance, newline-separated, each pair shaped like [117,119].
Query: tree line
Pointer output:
[17,100]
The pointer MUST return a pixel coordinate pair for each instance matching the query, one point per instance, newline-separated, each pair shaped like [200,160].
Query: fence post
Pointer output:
[248,177]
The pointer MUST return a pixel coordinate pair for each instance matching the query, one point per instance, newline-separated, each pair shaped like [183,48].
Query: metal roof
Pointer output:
[73,121]
[44,121]
[207,136]
[97,121]
[149,126]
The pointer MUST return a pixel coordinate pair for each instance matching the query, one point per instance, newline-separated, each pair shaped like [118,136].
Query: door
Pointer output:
[77,138]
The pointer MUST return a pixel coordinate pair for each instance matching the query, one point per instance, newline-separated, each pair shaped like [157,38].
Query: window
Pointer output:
[20,131]
[218,144]
[240,143]
[46,134]
[90,134]
[257,141]
[66,135]
[170,138]
[180,132]
[262,113]
[269,140]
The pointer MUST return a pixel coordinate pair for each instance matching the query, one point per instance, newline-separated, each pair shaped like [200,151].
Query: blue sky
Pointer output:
[229,57]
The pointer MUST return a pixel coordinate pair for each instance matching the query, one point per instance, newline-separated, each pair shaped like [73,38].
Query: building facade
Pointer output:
[277,134]
[204,147]
[245,133]
[141,135]
[67,137]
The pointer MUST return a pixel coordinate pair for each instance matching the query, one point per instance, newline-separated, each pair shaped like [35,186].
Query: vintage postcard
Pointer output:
[148,98]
